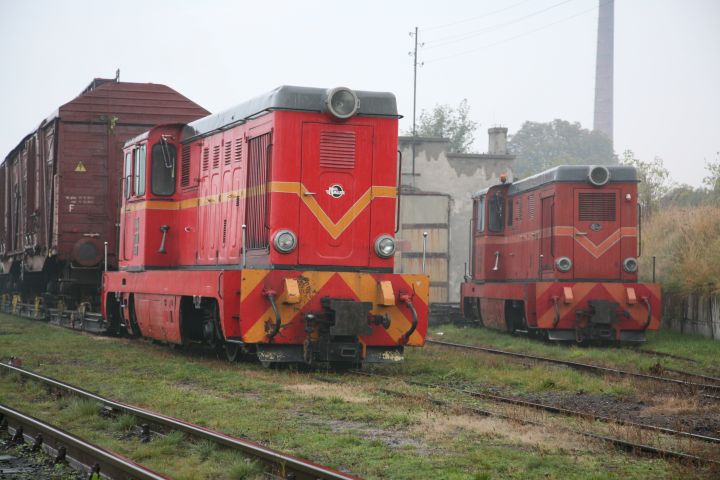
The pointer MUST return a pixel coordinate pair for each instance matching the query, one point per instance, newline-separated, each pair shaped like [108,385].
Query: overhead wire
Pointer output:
[467,35]
[529,32]
[472,19]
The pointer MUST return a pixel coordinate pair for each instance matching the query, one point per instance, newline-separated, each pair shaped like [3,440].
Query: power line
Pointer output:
[510,38]
[472,19]
[460,37]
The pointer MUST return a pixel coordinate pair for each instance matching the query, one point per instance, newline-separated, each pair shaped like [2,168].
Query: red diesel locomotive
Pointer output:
[268,229]
[555,254]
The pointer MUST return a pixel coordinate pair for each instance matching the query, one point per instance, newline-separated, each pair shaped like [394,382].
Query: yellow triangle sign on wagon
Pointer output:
[80,167]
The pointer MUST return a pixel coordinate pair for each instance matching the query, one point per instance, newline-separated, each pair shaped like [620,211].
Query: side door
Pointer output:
[596,250]
[336,193]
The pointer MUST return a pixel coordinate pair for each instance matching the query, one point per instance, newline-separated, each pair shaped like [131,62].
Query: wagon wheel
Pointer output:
[232,351]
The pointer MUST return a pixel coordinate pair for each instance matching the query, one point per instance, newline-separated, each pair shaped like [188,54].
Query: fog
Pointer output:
[514,60]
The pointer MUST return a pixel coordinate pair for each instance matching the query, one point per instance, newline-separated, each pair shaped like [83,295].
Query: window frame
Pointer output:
[128,178]
[497,203]
[173,150]
[480,218]
[140,170]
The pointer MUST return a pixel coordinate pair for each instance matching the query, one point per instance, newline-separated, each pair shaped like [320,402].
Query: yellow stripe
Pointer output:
[297,188]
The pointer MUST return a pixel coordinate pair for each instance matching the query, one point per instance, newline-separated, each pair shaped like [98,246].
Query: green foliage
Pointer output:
[713,178]
[654,180]
[540,146]
[451,123]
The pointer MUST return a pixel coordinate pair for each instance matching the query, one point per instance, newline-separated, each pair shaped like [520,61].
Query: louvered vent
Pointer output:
[216,156]
[518,211]
[185,166]
[238,149]
[337,150]
[206,159]
[597,207]
[531,206]
[228,152]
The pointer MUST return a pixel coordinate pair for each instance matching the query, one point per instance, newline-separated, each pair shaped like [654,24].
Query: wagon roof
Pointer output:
[287,97]
[567,173]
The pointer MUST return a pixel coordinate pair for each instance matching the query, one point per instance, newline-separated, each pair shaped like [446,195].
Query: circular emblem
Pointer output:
[335,190]
[595,227]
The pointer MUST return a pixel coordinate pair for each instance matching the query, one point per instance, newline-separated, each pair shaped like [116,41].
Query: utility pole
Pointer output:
[414,54]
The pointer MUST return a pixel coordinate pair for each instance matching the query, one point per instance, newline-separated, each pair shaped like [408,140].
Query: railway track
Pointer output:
[705,387]
[283,465]
[624,444]
[63,446]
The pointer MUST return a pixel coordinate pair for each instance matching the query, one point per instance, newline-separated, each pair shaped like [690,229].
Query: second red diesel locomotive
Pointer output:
[269,229]
[555,254]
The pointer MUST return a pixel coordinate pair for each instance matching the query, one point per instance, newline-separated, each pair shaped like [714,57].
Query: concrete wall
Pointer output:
[458,175]
[695,314]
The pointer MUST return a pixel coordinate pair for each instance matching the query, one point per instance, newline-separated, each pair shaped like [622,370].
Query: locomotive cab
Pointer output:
[556,254]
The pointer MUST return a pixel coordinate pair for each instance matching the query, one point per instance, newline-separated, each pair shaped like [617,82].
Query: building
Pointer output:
[436,197]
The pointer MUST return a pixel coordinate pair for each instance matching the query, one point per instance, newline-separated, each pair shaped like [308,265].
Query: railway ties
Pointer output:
[68,448]
[701,387]
[620,443]
[282,465]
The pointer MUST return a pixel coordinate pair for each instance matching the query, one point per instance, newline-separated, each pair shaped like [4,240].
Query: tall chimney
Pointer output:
[497,141]
[603,120]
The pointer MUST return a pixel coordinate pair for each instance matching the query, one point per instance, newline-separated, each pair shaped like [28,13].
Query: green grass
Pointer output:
[704,351]
[350,427]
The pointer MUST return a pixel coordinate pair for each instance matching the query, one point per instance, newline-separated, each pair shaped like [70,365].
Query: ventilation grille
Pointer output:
[206,159]
[337,150]
[238,149]
[531,206]
[597,207]
[216,156]
[256,204]
[228,152]
[185,166]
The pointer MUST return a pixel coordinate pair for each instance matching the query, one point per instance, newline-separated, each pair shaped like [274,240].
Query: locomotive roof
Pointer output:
[286,97]
[567,173]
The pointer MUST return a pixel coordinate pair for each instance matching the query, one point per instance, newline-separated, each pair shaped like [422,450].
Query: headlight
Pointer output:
[630,265]
[285,241]
[599,175]
[564,264]
[385,246]
[342,102]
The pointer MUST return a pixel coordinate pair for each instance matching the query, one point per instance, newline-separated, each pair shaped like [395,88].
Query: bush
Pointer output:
[686,243]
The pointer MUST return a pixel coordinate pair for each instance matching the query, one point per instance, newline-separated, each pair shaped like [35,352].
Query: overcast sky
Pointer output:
[513,60]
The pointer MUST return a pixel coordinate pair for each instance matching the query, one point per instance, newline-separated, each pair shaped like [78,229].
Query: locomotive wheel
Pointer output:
[232,351]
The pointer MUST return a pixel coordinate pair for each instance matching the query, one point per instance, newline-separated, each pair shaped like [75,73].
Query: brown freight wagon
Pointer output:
[59,187]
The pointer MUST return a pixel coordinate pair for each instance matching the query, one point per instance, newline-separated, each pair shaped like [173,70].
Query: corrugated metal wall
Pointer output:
[419,213]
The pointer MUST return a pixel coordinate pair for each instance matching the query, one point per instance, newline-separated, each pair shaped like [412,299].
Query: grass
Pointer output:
[350,427]
[704,351]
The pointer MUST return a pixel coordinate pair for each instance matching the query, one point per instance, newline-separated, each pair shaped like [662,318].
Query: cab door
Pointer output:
[336,193]
[597,234]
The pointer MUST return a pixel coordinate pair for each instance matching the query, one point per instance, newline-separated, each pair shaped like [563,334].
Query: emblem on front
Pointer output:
[596,227]
[335,191]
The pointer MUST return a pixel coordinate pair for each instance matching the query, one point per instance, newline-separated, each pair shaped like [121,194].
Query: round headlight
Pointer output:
[599,175]
[385,246]
[630,265]
[342,102]
[564,264]
[285,241]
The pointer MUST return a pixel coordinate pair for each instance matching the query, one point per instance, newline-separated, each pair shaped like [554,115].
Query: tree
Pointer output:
[713,178]
[451,123]
[654,180]
[540,146]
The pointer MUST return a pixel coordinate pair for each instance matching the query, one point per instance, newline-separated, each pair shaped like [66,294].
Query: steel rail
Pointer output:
[578,365]
[623,444]
[301,469]
[84,453]
[549,408]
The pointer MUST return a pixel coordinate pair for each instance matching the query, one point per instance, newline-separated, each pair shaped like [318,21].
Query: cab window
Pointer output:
[127,177]
[480,225]
[140,171]
[495,213]
[162,163]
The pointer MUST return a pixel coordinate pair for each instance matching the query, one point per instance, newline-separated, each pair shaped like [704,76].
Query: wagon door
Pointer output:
[597,234]
[336,192]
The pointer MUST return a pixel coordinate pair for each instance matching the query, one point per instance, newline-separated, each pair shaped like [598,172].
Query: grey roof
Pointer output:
[288,98]
[568,173]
